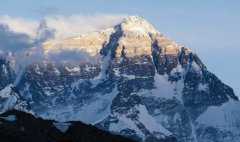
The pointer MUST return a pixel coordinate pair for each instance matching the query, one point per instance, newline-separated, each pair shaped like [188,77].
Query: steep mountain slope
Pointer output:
[129,80]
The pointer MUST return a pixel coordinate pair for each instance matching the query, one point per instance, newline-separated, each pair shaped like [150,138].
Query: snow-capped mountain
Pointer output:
[129,80]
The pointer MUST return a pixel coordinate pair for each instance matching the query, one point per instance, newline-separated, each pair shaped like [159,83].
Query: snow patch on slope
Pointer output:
[137,24]
[99,107]
[63,127]
[203,87]
[7,99]
[164,88]
[224,117]
[10,118]
[125,123]
[149,122]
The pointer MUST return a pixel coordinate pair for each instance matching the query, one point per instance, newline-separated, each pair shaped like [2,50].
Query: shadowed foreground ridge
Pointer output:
[27,128]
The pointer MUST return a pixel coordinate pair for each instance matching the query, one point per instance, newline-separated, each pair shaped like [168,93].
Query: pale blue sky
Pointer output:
[209,27]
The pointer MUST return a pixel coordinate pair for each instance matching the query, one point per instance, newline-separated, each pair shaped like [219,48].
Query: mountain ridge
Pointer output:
[136,83]
[132,26]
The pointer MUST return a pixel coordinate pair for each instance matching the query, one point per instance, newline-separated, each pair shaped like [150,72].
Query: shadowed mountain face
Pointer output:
[128,80]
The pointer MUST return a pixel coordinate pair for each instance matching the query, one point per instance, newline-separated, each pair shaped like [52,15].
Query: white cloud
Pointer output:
[20,25]
[64,26]
[24,36]
[80,24]
[18,34]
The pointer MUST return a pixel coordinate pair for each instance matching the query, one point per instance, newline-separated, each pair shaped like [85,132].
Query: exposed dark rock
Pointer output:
[27,128]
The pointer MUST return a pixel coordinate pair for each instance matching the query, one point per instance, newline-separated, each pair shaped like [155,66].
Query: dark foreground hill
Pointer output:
[16,126]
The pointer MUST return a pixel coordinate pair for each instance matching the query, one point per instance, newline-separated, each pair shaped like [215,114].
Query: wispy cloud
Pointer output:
[80,24]
[20,25]
[25,37]
[64,26]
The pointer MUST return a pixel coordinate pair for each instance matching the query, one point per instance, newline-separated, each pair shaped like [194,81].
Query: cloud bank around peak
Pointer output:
[22,37]
[64,26]
[80,24]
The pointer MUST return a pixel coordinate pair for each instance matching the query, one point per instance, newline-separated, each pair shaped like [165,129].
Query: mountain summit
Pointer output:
[134,33]
[129,80]
[137,24]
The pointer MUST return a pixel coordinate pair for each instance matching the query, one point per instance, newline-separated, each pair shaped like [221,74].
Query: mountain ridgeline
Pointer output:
[19,126]
[129,80]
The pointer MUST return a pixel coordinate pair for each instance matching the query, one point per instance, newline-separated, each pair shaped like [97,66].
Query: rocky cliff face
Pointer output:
[129,80]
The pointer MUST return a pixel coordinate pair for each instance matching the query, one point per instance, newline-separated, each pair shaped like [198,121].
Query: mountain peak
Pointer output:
[138,24]
[126,80]
[134,19]
[137,36]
